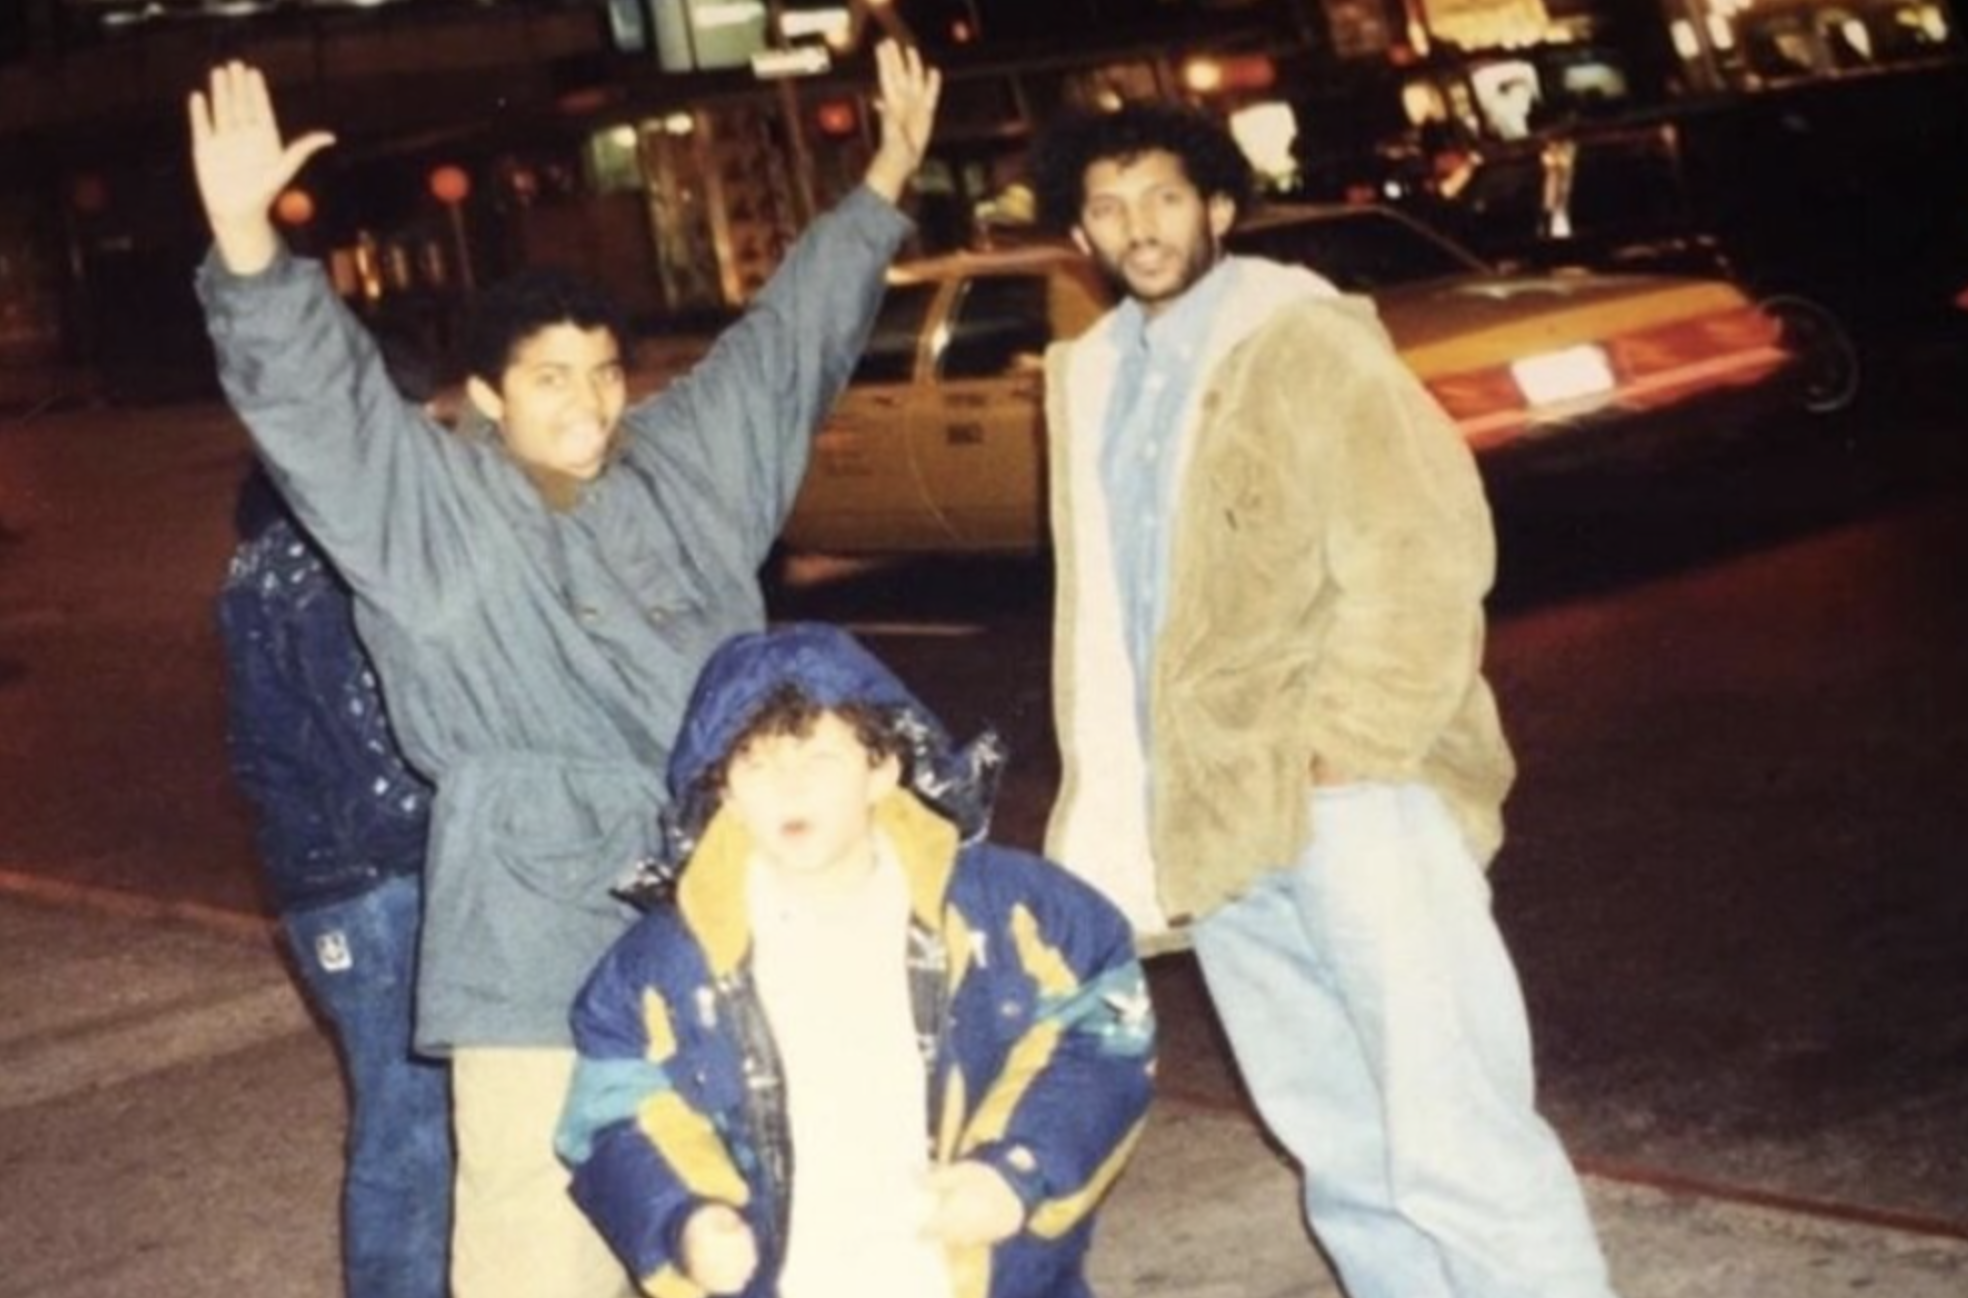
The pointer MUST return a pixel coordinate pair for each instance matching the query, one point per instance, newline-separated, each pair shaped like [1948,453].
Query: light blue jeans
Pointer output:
[1379,1026]
[358,959]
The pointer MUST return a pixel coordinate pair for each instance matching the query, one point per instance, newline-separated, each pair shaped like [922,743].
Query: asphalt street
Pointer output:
[1731,888]
[170,1119]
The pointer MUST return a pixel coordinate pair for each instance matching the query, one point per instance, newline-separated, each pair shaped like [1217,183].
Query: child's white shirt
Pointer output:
[832,974]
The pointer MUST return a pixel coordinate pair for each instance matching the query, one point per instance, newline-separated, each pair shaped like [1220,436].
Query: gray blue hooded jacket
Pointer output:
[537,660]
[1036,1032]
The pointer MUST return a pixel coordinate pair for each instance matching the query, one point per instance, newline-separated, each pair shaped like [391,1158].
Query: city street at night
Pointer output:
[1218,289]
[1733,881]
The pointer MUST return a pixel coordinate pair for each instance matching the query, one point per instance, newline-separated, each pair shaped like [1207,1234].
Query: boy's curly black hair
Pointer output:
[1209,155]
[790,711]
[537,298]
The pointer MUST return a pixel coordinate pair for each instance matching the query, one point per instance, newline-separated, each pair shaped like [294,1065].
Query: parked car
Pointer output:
[939,446]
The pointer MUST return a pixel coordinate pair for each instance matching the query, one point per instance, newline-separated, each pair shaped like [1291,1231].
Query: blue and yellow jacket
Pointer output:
[1037,1035]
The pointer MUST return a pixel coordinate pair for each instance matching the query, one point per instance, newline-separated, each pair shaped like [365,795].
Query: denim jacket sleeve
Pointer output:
[363,468]
[742,420]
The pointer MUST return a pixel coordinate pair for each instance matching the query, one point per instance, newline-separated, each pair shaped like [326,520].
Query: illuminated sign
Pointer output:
[703,35]
[1488,24]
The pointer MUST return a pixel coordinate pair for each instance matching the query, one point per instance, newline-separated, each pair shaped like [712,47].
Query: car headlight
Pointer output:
[1568,375]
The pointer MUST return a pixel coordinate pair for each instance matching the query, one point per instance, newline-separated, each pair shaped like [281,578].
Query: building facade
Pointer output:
[673,148]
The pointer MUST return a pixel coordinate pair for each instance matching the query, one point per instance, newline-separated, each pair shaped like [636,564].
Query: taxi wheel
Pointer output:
[1829,377]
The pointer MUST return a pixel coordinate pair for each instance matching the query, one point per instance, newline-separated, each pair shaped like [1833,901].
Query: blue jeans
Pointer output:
[358,959]
[1379,1026]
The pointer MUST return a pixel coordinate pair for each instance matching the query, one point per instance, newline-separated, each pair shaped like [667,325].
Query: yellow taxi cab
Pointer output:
[938,445]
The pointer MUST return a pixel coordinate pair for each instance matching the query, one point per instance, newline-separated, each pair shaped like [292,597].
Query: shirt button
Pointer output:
[588,613]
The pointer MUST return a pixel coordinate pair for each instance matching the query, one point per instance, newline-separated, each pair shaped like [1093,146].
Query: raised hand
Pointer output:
[242,164]
[909,91]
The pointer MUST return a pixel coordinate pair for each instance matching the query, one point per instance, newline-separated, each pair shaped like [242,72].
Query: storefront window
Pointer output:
[613,160]
[1756,43]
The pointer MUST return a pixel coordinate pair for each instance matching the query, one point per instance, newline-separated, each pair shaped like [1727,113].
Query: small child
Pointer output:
[853,1055]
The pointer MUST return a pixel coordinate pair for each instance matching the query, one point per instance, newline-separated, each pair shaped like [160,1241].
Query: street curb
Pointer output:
[1208,1209]
[1835,1214]
[1830,1211]
[128,905]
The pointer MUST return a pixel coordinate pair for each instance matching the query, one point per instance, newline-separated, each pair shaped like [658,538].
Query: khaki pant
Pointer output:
[517,1233]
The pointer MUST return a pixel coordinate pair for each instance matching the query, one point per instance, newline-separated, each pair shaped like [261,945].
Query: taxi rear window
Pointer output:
[1001,324]
[890,356]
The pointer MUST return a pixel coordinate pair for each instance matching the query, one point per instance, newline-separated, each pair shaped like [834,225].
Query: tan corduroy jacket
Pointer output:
[1331,552]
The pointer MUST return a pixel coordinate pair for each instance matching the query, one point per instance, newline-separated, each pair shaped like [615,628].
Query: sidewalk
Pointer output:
[170,1122]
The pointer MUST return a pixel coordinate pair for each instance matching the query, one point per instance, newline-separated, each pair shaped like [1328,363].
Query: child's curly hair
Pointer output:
[790,711]
[1209,156]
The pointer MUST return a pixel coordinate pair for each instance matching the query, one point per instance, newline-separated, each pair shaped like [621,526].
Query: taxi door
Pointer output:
[980,449]
[861,493]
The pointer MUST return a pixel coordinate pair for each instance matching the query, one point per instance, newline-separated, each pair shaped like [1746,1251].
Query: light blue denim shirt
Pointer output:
[1138,454]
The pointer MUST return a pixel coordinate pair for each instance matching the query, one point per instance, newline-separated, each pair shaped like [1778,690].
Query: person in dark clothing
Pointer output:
[342,826]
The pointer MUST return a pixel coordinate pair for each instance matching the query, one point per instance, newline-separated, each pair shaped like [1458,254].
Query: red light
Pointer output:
[1653,367]
[836,118]
[450,185]
[1487,406]
[1208,76]
[1249,72]
[588,99]
[294,207]
[1726,349]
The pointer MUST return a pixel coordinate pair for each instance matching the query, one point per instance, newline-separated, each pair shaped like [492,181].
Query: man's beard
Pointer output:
[1203,256]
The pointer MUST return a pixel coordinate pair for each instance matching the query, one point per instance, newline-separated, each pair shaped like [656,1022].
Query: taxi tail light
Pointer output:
[1487,405]
[1728,348]
[1735,346]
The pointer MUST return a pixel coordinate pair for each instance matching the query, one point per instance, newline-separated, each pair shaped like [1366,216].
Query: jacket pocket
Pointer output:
[569,831]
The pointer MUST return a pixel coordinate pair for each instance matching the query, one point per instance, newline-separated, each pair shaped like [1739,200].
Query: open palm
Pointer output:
[241,162]
[909,91]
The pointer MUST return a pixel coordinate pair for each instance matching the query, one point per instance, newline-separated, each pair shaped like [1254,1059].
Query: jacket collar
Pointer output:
[712,894]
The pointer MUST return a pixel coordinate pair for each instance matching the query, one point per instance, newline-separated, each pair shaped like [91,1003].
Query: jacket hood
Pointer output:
[832,669]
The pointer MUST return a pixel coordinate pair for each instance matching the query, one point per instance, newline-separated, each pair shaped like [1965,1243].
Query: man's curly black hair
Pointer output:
[1209,156]
[537,298]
